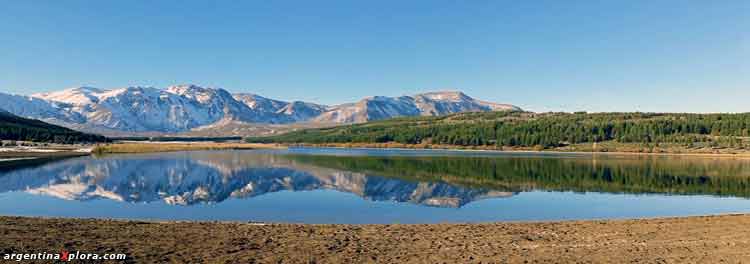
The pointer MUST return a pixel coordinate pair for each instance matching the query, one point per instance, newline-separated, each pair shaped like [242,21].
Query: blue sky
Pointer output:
[664,55]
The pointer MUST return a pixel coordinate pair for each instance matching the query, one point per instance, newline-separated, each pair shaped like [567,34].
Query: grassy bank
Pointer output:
[600,147]
[167,147]
[709,239]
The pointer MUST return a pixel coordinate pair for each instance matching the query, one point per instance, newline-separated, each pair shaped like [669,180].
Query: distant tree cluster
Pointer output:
[22,129]
[528,129]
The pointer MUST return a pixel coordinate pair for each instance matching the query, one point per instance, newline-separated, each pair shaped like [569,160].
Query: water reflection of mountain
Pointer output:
[210,177]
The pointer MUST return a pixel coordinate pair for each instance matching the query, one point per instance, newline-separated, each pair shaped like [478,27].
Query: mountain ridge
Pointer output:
[185,108]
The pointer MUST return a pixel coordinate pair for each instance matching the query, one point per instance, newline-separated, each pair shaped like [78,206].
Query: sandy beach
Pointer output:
[701,239]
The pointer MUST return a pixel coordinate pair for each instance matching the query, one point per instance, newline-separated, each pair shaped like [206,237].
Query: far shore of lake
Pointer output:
[62,151]
[663,152]
[17,155]
[151,147]
[698,239]
[155,147]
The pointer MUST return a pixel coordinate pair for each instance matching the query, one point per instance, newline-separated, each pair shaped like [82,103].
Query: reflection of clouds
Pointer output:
[209,177]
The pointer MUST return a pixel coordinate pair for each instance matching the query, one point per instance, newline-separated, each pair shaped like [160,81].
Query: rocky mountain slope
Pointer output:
[426,104]
[185,108]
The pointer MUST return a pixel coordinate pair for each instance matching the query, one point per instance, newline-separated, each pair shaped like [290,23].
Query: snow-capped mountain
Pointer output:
[288,112]
[136,108]
[184,108]
[26,106]
[426,104]
[302,111]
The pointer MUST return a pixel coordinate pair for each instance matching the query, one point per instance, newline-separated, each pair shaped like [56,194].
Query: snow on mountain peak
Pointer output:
[186,107]
[445,96]
[424,104]
[203,95]
[186,89]
[77,95]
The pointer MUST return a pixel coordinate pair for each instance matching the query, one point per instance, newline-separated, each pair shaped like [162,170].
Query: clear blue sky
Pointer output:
[541,55]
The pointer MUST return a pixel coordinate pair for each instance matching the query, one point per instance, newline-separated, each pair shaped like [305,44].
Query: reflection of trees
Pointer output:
[616,175]
[27,163]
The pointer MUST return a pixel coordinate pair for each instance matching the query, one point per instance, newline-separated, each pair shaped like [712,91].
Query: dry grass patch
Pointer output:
[167,147]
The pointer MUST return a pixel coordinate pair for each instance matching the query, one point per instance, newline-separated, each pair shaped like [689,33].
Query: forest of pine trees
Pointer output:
[547,130]
[15,128]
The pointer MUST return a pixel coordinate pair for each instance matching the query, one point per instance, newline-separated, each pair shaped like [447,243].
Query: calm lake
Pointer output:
[318,185]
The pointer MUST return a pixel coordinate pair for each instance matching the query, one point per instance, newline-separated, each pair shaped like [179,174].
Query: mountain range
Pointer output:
[184,108]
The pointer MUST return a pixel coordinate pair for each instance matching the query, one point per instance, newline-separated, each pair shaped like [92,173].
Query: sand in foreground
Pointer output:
[709,239]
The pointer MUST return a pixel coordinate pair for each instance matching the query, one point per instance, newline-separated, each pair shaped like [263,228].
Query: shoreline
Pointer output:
[692,239]
[156,147]
[551,152]
[130,148]
[27,155]
[251,222]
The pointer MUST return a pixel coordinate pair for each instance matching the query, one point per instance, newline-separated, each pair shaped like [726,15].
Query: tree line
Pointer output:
[14,128]
[644,175]
[547,130]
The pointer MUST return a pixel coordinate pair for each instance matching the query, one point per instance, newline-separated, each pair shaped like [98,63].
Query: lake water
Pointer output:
[310,185]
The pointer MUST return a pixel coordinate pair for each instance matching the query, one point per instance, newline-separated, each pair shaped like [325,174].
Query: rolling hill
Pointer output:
[13,127]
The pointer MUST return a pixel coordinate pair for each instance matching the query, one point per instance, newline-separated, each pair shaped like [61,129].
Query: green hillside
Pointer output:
[13,127]
[539,130]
